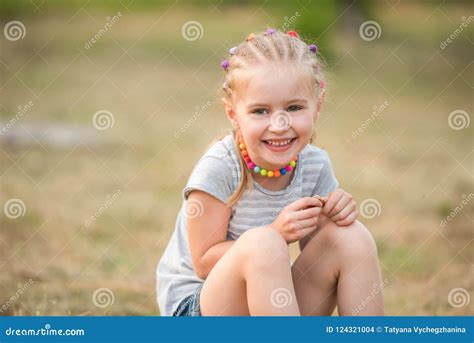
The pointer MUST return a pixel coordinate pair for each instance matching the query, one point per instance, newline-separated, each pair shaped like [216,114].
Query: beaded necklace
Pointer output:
[262,171]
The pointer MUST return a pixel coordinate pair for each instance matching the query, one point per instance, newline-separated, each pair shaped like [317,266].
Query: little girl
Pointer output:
[259,189]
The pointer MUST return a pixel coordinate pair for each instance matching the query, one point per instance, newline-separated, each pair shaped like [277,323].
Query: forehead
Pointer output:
[275,83]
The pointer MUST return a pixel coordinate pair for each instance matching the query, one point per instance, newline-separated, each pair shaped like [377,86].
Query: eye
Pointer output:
[260,111]
[294,108]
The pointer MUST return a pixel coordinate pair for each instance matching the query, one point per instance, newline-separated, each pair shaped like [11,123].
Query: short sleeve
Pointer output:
[327,181]
[211,175]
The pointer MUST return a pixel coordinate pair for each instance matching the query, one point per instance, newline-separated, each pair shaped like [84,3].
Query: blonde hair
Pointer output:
[270,46]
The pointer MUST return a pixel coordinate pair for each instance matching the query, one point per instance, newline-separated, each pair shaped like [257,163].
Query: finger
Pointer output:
[304,203]
[308,213]
[344,212]
[340,205]
[333,199]
[307,223]
[324,200]
[348,220]
[300,234]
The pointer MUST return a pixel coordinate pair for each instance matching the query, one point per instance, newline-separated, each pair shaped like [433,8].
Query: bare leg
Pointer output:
[339,265]
[252,278]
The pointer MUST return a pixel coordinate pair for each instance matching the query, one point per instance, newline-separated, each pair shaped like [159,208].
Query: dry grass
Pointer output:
[408,158]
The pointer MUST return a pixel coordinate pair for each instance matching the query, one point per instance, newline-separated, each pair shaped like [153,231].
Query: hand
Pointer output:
[298,219]
[340,208]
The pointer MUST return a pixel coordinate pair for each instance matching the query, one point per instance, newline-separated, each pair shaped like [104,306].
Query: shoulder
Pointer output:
[317,171]
[223,149]
[221,156]
[314,155]
[217,171]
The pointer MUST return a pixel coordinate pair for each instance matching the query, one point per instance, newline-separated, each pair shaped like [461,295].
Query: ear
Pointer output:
[320,104]
[229,111]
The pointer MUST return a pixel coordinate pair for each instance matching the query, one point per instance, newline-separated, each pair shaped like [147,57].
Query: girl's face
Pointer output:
[274,112]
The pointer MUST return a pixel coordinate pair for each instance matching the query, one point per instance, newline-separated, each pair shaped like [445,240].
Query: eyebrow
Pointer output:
[256,104]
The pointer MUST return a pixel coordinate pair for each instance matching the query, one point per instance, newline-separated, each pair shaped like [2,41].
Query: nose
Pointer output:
[280,121]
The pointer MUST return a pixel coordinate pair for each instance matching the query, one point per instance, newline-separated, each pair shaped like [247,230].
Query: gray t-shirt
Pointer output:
[218,173]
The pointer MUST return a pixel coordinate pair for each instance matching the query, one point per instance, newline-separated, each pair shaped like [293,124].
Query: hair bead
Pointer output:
[225,64]
[294,34]
[270,32]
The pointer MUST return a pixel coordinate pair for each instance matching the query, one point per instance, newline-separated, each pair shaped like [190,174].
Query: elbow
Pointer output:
[201,269]
[202,274]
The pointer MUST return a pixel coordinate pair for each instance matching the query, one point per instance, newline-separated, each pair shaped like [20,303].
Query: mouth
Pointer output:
[279,145]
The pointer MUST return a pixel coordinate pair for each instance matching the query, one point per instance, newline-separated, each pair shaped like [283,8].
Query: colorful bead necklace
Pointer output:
[263,171]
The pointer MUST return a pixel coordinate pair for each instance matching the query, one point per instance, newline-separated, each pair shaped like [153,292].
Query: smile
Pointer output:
[280,144]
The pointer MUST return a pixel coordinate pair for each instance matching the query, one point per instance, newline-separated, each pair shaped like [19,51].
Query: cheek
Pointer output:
[252,132]
[303,125]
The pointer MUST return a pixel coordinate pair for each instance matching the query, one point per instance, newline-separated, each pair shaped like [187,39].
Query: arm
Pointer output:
[207,232]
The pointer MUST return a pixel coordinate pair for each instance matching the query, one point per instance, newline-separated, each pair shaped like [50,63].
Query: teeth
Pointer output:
[280,143]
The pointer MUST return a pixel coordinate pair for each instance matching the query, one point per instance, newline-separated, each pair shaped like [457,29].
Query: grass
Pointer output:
[408,158]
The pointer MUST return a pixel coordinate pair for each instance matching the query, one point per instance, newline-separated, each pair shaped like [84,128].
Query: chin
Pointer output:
[277,162]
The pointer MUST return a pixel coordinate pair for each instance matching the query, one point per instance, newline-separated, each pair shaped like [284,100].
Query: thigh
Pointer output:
[224,290]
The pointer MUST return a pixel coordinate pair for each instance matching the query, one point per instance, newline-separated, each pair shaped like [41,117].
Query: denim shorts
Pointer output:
[190,306]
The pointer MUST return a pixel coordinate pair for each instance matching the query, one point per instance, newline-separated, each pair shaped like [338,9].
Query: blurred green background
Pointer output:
[98,138]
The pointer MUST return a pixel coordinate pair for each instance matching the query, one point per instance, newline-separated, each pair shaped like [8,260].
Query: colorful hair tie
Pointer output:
[270,32]
[233,50]
[250,37]
[313,48]
[225,64]
[294,34]
[322,84]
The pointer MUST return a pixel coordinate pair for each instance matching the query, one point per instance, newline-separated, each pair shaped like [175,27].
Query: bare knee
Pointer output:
[350,242]
[263,246]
